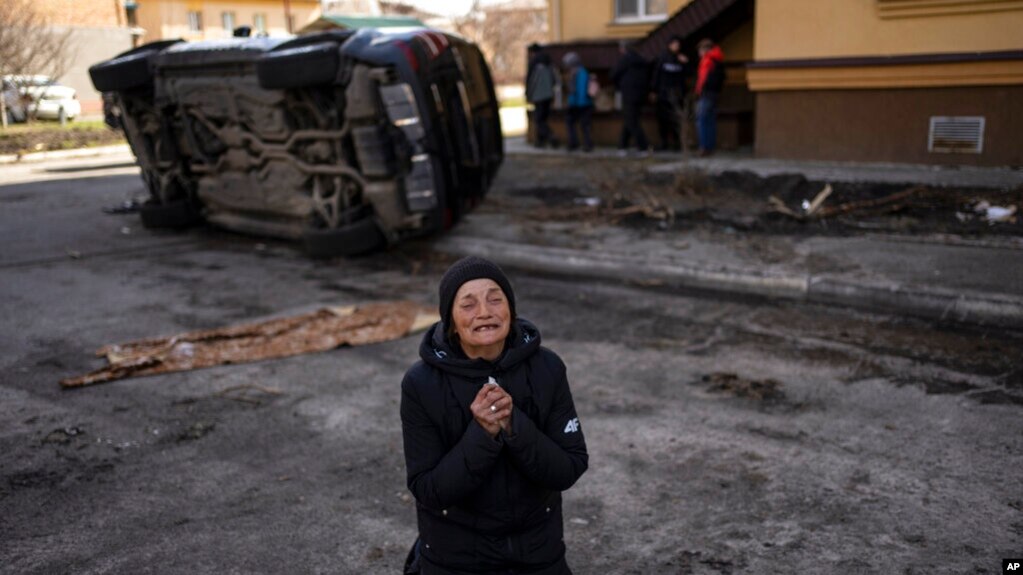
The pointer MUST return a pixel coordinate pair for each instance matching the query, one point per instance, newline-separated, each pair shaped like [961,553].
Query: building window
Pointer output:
[195,21]
[259,23]
[227,19]
[633,10]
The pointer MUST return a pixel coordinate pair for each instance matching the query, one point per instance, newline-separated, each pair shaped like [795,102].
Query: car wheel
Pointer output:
[177,214]
[359,238]
[313,65]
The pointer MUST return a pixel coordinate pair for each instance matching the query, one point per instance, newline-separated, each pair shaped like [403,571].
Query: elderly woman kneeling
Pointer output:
[491,435]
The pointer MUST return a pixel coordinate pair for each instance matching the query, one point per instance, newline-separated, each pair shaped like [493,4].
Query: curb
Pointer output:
[64,154]
[931,303]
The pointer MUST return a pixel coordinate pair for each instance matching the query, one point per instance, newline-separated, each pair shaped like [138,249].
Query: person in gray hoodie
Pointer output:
[540,93]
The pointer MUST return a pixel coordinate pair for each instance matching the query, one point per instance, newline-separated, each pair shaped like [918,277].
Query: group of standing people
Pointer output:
[637,81]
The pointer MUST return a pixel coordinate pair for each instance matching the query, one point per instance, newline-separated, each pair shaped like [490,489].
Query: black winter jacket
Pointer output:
[632,77]
[490,505]
[669,79]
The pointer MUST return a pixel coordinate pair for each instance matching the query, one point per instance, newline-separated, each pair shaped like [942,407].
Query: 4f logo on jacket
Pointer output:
[572,426]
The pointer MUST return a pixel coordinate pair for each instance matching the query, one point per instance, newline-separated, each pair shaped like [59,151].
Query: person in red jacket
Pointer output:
[710,79]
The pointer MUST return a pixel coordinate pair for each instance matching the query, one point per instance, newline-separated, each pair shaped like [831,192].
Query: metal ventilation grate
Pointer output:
[956,134]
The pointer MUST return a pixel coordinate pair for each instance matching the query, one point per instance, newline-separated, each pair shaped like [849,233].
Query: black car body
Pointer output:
[346,140]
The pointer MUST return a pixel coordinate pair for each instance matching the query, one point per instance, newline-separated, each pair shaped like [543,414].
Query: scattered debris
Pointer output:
[322,330]
[196,431]
[589,202]
[817,210]
[63,436]
[995,214]
[732,384]
[126,207]
[810,208]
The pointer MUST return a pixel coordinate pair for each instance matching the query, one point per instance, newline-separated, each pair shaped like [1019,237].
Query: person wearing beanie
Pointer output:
[491,435]
[580,102]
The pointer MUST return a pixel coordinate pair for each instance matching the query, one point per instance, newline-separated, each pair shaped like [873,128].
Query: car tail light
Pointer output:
[410,56]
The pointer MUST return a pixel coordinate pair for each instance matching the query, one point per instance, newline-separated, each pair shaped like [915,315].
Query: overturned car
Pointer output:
[345,140]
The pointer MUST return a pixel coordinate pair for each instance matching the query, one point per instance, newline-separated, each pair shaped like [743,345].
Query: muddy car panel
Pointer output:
[346,140]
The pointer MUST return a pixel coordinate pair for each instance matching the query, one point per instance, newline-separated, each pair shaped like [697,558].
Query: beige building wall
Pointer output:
[167,19]
[86,13]
[802,29]
[860,80]
[808,30]
[589,19]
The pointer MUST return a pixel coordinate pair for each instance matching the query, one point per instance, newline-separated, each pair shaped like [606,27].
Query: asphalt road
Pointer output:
[881,445]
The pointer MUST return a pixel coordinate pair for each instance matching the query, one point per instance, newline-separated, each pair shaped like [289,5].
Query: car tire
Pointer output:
[301,67]
[128,70]
[175,215]
[361,237]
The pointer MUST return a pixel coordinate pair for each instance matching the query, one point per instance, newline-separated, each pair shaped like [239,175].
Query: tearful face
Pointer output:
[481,318]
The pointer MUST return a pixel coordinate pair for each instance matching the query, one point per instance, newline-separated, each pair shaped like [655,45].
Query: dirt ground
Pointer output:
[621,191]
[727,435]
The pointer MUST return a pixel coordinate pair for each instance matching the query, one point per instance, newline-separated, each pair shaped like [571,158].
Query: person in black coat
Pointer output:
[669,84]
[491,435]
[632,77]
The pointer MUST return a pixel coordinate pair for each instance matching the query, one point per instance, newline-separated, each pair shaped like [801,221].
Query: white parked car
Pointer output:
[46,99]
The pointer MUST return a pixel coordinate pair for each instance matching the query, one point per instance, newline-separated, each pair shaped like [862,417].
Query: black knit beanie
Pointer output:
[468,269]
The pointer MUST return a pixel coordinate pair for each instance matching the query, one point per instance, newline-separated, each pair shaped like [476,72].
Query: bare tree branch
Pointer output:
[30,45]
[503,30]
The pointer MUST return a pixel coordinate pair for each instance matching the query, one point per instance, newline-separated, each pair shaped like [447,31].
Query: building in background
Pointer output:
[352,7]
[890,80]
[920,81]
[98,30]
[202,20]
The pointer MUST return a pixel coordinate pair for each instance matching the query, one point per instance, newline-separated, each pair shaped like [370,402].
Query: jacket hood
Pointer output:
[716,54]
[523,341]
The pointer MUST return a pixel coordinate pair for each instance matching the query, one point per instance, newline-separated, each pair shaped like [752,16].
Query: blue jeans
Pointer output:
[707,121]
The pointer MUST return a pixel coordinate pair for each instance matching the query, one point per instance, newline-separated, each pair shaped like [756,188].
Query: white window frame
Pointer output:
[194,21]
[224,17]
[641,16]
[256,22]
